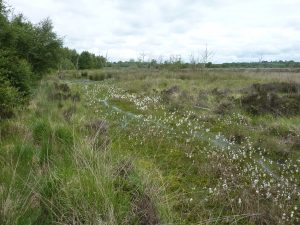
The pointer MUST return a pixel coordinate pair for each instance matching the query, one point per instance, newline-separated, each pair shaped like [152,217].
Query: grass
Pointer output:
[126,150]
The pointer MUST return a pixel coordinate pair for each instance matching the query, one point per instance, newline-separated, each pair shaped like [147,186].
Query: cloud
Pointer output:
[234,30]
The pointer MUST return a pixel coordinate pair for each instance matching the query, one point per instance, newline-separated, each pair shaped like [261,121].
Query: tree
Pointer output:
[193,60]
[206,56]
[85,61]
[5,30]
[69,59]
[46,53]
[15,70]
[27,52]
[91,61]
[100,61]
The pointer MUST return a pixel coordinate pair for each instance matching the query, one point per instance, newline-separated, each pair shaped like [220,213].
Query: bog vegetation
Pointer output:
[152,143]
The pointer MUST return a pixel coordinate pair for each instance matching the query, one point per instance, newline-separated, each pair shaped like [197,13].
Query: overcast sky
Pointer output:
[234,30]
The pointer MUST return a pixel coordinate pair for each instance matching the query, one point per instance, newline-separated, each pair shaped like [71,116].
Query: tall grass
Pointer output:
[52,172]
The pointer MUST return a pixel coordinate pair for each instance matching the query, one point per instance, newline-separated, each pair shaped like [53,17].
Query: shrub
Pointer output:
[16,70]
[263,102]
[9,97]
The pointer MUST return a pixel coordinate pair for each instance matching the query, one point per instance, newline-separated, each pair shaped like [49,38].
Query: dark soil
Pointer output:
[144,210]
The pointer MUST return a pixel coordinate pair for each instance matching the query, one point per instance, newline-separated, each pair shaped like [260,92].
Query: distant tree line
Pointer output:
[178,64]
[263,64]
[28,52]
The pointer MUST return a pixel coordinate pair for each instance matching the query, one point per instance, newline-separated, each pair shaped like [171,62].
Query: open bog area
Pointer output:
[146,146]
[159,112]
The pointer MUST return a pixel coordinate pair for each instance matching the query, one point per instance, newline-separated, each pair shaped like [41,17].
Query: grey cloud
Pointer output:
[233,29]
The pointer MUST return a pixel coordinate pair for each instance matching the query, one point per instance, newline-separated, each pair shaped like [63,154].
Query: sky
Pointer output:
[232,30]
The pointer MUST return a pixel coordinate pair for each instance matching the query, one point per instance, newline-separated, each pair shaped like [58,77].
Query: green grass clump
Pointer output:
[64,136]
[42,132]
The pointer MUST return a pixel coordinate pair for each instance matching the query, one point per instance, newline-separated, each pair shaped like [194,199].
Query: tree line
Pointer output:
[180,64]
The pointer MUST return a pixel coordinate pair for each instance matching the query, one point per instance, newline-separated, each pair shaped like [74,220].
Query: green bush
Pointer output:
[16,70]
[9,97]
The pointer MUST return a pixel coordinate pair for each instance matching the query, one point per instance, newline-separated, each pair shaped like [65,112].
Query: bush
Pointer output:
[263,103]
[15,82]
[16,70]
[9,97]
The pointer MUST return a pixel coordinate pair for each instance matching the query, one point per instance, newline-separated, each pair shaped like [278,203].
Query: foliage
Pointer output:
[27,52]
[9,98]
[85,60]
[90,61]
[16,70]
[46,53]
[69,59]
